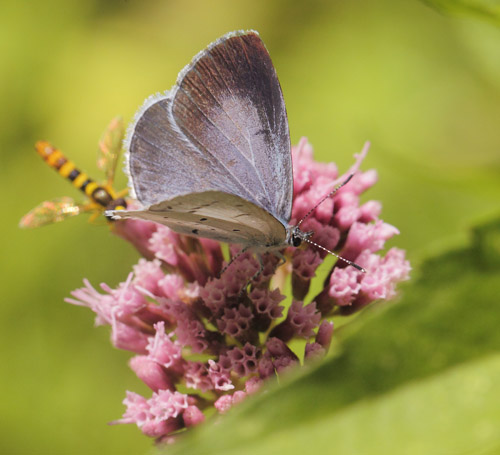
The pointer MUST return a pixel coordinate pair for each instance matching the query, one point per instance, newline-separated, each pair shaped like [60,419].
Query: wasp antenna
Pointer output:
[347,261]
[330,194]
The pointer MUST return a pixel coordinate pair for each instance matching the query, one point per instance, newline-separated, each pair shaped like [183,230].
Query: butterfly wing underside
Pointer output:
[223,127]
[215,215]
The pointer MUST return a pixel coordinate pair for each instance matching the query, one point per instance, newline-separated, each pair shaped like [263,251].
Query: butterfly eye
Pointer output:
[296,240]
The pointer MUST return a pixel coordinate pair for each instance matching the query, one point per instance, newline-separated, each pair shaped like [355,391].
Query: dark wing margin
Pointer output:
[223,127]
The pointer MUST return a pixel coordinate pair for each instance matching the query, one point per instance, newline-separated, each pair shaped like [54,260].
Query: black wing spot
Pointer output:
[169,207]
[165,217]
[195,231]
[236,230]
[203,219]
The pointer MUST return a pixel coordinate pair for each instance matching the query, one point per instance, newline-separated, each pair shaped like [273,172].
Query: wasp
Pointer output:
[100,197]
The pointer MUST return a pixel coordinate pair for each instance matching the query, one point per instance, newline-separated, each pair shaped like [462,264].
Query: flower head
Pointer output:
[219,336]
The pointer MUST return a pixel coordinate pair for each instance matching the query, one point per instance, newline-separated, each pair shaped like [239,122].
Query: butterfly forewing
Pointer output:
[218,216]
[163,164]
[110,145]
[229,104]
[50,212]
[223,127]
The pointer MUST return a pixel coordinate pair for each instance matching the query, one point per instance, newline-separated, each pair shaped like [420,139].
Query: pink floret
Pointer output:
[162,349]
[266,302]
[370,211]
[197,377]
[370,237]
[114,305]
[164,245]
[382,277]
[243,361]
[129,338]
[219,376]
[224,403]
[151,373]
[171,285]
[235,322]
[214,295]
[149,274]
[138,410]
[303,319]
[305,263]
[344,285]
[137,232]
[192,416]
[166,404]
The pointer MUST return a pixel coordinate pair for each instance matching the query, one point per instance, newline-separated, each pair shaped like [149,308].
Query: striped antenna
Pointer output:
[323,199]
[347,261]
[306,239]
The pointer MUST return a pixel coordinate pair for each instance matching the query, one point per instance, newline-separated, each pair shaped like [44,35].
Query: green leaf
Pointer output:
[419,376]
[483,9]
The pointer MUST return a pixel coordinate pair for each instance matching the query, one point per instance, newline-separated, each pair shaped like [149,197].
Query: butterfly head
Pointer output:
[295,237]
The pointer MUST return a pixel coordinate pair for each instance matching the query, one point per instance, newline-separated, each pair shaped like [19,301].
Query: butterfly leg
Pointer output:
[281,257]
[255,275]
[243,251]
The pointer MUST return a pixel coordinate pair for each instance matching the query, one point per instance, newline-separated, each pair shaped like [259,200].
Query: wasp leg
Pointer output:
[122,193]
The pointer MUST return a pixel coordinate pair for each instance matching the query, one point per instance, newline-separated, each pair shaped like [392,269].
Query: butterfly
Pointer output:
[100,196]
[212,157]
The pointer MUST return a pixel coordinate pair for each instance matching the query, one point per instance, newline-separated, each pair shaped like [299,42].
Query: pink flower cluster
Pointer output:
[202,340]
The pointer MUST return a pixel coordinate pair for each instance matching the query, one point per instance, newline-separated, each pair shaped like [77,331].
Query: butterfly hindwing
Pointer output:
[223,127]
[215,215]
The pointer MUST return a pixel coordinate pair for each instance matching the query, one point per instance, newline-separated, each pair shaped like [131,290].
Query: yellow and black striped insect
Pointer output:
[101,196]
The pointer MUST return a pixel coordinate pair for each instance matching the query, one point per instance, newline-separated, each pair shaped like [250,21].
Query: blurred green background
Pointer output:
[423,87]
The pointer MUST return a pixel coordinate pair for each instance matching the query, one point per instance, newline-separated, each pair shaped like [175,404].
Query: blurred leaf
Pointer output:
[421,376]
[484,9]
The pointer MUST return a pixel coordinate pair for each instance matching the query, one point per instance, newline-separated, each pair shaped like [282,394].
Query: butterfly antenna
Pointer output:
[347,261]
[330,194]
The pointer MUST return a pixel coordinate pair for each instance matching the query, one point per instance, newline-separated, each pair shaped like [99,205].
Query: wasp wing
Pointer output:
[109,149]
[51,212]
